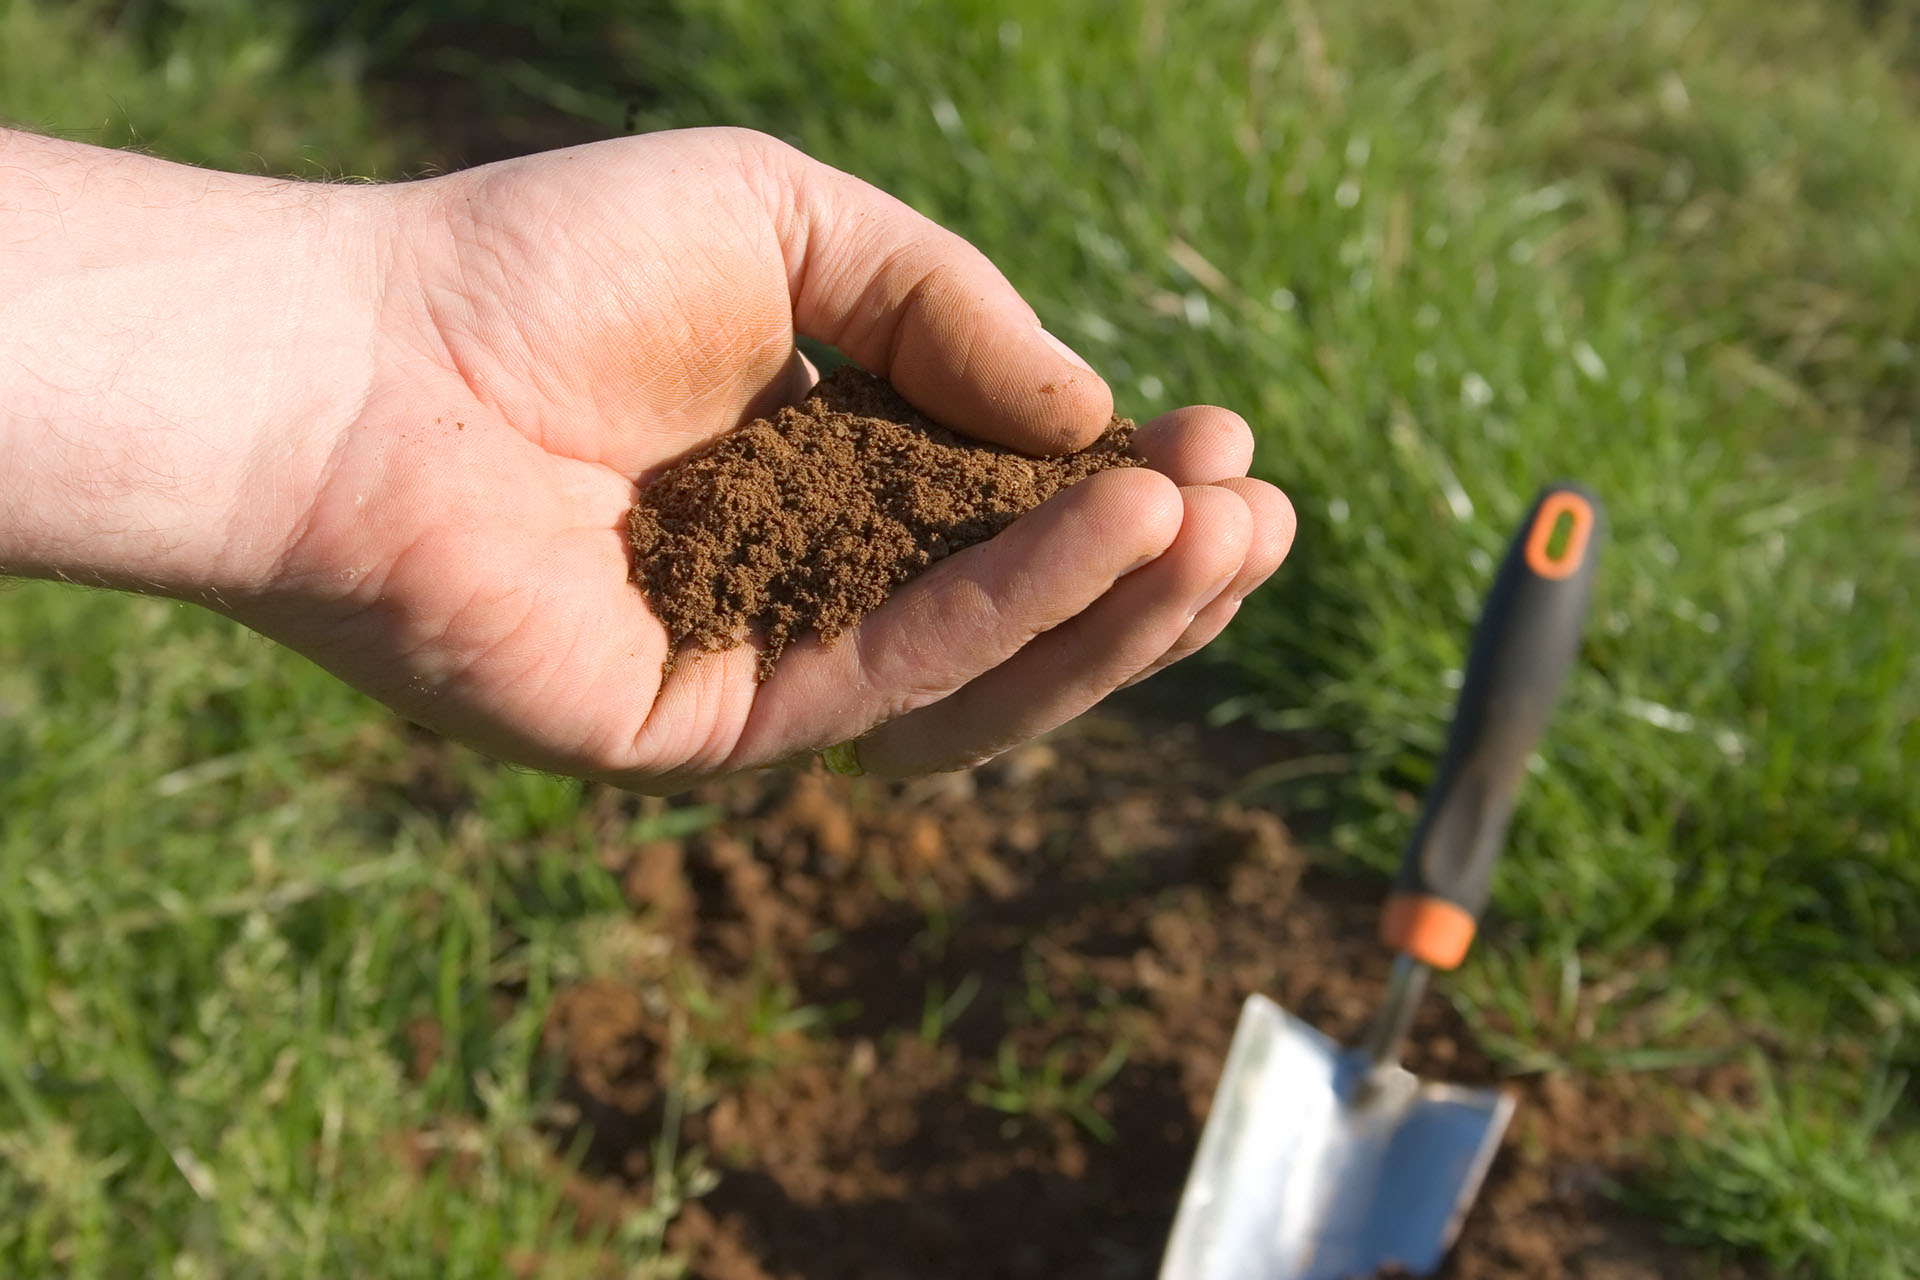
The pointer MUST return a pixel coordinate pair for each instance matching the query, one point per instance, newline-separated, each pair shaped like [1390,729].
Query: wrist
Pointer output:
[183,352]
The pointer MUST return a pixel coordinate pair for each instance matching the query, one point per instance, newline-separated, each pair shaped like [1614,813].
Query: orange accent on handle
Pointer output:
[1431,930]
[1541,535]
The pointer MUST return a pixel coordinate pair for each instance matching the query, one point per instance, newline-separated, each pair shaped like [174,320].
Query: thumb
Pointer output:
[910,300]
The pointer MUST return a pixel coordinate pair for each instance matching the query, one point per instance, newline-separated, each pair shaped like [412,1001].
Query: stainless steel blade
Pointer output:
[1313,1166]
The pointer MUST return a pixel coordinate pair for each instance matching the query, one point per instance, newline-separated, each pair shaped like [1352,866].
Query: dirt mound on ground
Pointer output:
[808,521]
[1024,981]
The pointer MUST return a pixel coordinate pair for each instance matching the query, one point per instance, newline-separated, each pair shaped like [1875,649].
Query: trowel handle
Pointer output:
[1527,638]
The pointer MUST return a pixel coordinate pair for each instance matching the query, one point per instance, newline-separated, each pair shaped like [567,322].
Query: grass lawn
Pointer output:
[1436,254]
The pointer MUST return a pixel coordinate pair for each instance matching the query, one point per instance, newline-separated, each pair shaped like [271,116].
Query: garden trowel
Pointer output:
[1324,1162]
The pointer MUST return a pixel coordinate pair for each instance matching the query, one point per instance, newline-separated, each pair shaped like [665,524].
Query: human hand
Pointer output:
[544,333]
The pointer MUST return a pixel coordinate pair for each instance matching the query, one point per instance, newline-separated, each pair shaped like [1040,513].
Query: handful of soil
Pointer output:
[808,521]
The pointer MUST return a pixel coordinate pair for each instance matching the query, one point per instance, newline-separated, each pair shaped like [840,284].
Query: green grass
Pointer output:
[224,905]
[217,82]
[1050,1089]
[1818,1191]
[1437,254]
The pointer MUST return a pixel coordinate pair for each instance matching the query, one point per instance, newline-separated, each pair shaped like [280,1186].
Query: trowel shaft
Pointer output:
[1390,1026]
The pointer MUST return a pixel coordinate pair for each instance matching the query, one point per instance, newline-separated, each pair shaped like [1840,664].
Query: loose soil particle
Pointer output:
[1099,887]
[809,520]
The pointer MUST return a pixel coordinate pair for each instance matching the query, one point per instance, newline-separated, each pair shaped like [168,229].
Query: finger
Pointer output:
[1201,632]
[918,305]
[1196,445]
[1071,667]
[1274,524]
[966,615]
[1273,528]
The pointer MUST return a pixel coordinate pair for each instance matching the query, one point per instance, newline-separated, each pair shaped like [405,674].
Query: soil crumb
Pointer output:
[809,520]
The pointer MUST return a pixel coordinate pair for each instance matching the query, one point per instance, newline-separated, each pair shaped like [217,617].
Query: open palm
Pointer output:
[555,329]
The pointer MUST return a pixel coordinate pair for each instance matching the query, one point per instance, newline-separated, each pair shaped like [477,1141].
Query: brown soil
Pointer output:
[808,521]
[1097,889]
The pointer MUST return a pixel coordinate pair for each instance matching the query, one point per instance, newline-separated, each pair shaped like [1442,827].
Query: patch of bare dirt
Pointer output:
[990,938]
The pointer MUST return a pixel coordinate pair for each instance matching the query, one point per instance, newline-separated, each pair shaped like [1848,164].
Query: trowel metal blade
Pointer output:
[1306,1173]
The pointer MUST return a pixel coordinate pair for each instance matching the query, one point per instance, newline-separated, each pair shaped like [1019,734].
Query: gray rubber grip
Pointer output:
[1524,645]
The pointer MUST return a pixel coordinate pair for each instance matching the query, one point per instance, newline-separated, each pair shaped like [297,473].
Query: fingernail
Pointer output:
[1066,352]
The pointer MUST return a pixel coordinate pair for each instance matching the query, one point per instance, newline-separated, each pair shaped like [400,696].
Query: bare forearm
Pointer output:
[179,350]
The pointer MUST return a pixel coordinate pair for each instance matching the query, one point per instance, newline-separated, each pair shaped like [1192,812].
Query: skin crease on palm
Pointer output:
[400,427]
